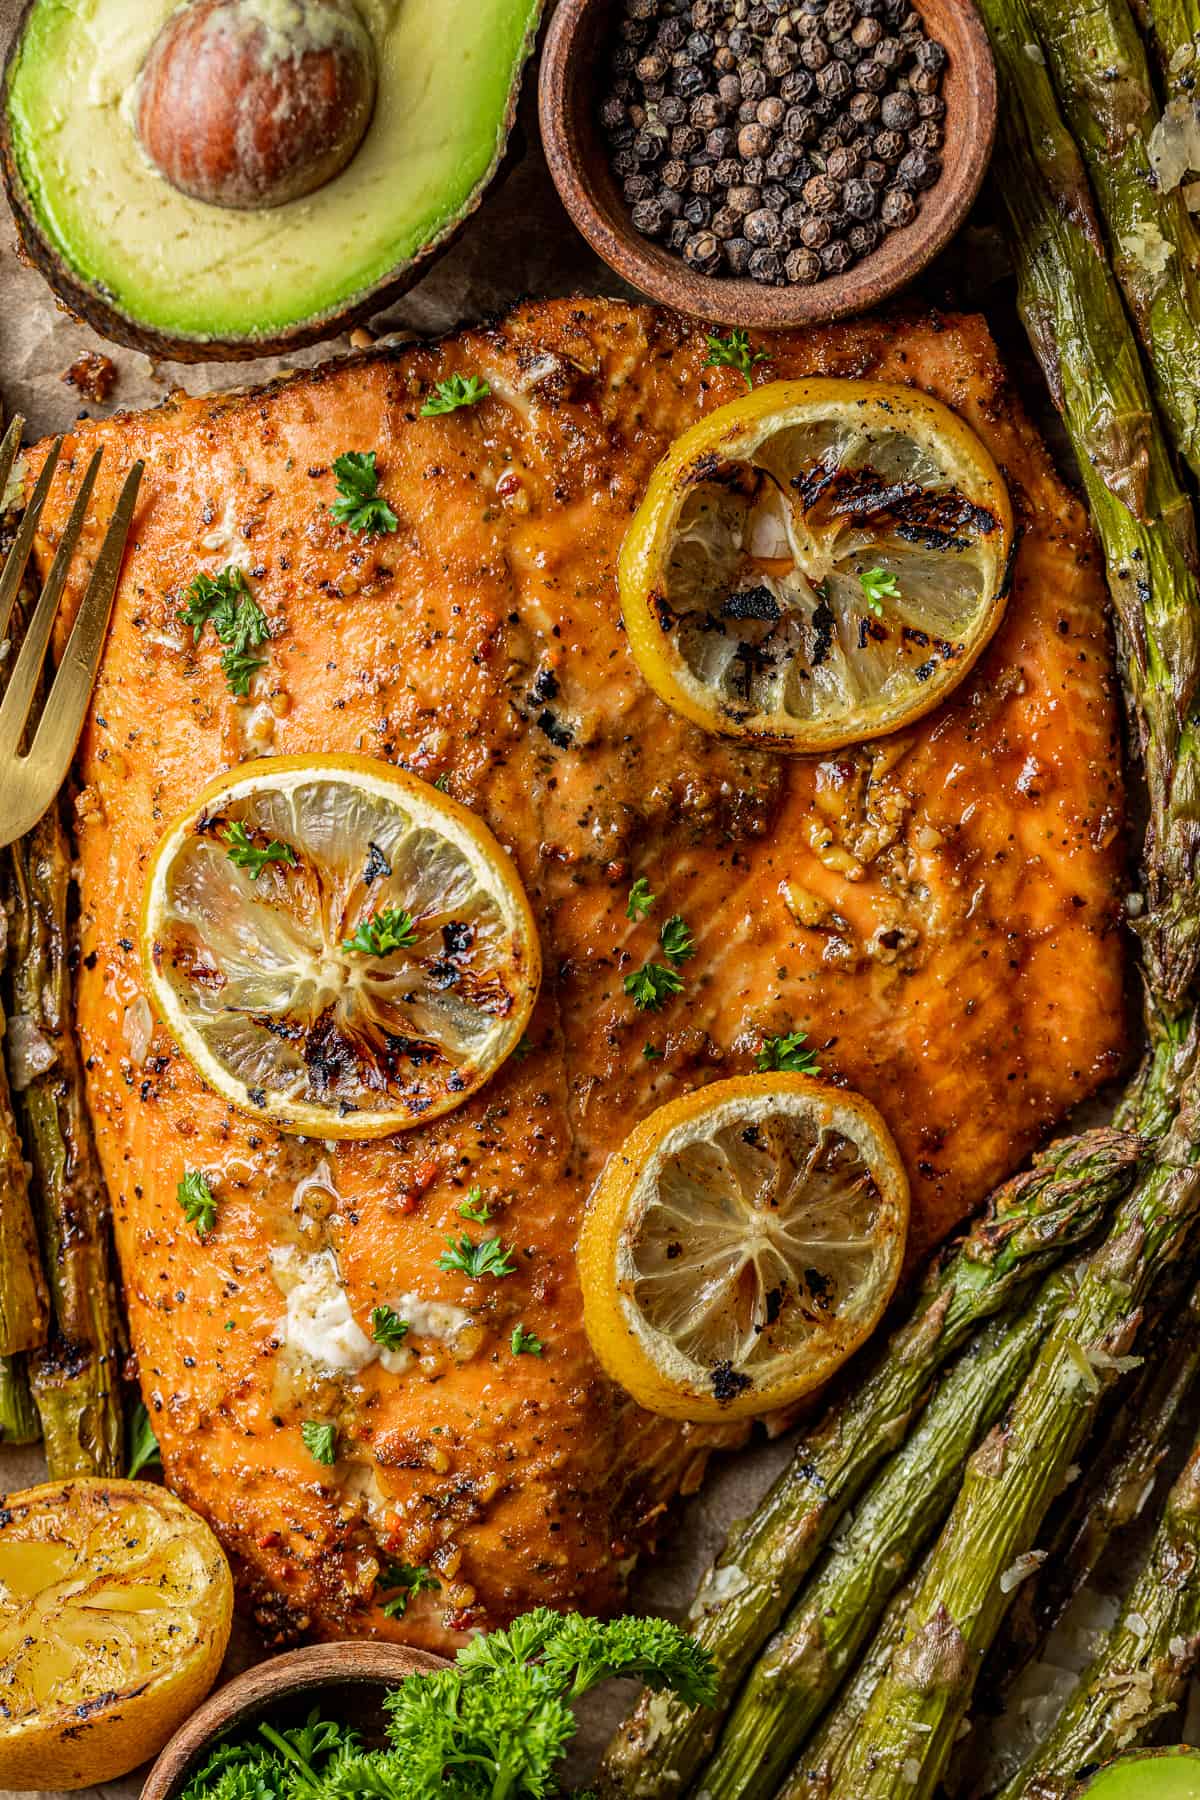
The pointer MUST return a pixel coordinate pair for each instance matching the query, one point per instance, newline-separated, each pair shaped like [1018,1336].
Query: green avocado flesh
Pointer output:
[447,77]
[1146,1775]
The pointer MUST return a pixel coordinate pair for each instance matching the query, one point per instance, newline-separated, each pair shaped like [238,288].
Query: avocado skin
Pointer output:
[88,303]
[1172,1773]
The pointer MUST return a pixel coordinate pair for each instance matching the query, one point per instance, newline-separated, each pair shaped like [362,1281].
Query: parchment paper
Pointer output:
[520,242]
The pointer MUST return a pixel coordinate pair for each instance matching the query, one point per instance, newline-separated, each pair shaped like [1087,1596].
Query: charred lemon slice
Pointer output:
[115,1608]
[741,1244]
[817,563]
[338,947]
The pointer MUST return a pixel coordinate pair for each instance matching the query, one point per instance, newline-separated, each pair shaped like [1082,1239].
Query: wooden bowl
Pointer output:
[572,65]
[349,1679]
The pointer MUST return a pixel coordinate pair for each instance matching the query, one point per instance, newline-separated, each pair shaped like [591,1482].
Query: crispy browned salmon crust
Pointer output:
[940,911]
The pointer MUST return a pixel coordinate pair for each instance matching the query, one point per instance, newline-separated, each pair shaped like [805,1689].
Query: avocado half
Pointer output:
[1169,1774]
[152,268]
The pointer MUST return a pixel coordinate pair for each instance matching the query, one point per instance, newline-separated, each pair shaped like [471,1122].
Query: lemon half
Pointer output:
[817,563]
[741,1244]
[115,1609]
[337,946]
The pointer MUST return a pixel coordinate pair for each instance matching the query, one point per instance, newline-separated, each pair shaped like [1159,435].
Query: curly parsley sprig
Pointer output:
[225,602]
[244,853]
[878,585]
[495,1724]
[789,1054]
[459,390]
[385,931]
[734,352]
[359,505]
[475,1260]
[197,1201]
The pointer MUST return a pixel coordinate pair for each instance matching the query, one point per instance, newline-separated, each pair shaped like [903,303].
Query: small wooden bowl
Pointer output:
[349,1679]
[573,63]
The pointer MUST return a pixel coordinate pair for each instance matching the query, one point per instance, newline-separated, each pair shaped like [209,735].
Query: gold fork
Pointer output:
[34,763]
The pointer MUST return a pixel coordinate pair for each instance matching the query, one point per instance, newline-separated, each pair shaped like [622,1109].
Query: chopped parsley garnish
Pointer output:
[733,352]
[641,901]
[143,1445]
[878,585]
[676,940]
[245,855]
[197,1201]
[225,602]
[495,1724]
[460,390]
[488,1257]
[651,1053]
[387,1327]
[788,1053]
[391,929]
[525,1343]
[475,1207]
[652,985]
[359,504]
[320,1441]
[402,1581]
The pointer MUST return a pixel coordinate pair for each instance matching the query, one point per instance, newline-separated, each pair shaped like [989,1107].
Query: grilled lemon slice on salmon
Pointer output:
[337,946]
[817,563]
[741,1244]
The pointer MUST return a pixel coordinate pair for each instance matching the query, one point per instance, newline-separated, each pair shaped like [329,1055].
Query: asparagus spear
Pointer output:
[1143,1666]
[1080,332]
[800,1669]
[23,1308]
[1031,1222]
[816,1770]
[76,1381]
[1102,76]
[18,1415]
[1011,1480]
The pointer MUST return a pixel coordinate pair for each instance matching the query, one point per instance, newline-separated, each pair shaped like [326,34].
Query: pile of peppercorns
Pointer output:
[774,139]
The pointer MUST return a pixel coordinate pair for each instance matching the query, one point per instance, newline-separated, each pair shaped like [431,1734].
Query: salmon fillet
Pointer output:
[939,911]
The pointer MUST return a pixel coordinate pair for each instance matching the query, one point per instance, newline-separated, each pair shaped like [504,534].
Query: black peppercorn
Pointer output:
[699,46]
[612,113]
[867,33]
[930,55]
[871,76]
[741,41]
[836,257]
[779,56]
[624,57]
[760,19]
[702,251]
[742,199]
[897,208]
[796,86]
[672,110]
[626,162]
[800,125]
[677,235]
[703,179]
[839,17]
[890,52]
[672,35]
[728,172]
[774,195]
[725,223]
[753,78]
[634,31]
[648,218]
[918,170]
[706,112]
[697,210]
[859,199]
[771,112]
[652,67]
[684,139]
[863,108]
[637,187]
[864,238]
[754,171]
[724,61]
[675,174]
[688,83]
[670,201]
[753,140]
[821,194]
[930,106]
[766,266]
[814,232]
[898,110]
[729,90]
[803,267]
[889,146]
[763,227]
[719,142]
[925,135]
[707,14]
[875,172]
[814,53]
[841,163]
[780,163]
[640,9]
[738,251]
[924,81]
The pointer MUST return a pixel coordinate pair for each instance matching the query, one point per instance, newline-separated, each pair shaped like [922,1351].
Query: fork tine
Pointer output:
[62,717]
[9,448]
[28,666]
[18,556]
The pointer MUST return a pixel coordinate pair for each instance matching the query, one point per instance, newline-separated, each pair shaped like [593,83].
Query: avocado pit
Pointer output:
[250,104]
